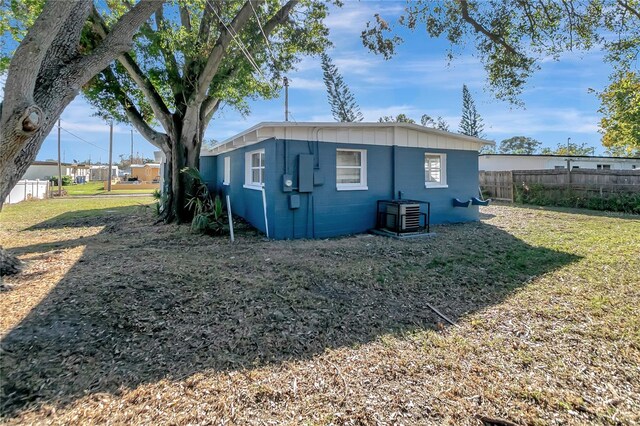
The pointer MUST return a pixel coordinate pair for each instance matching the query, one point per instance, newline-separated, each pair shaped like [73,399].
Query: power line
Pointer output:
[266,39]
[83,140]
[239,42]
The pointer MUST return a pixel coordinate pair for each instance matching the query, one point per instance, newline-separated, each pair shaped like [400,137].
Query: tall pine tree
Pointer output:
[471,122]
[342,101]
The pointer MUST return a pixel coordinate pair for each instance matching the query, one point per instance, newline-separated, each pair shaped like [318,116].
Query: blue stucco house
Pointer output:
[317,180]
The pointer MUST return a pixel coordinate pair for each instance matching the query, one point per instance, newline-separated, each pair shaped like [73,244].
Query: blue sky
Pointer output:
[416,81]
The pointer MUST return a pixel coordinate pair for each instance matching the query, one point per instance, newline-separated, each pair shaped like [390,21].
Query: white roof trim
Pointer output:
[139,166]
[385,134]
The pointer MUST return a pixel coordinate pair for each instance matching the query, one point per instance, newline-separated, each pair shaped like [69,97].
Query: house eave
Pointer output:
[390,134]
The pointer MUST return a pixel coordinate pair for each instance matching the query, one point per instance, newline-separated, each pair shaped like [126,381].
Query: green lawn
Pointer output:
[16,217]
[97,188]
[119,320]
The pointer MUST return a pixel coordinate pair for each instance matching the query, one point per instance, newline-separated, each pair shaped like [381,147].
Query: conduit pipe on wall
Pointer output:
[264,207]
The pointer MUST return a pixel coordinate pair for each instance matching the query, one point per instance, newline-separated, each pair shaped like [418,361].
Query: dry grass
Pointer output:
[118,321]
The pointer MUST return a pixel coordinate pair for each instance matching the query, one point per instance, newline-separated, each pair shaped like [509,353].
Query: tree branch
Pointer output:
[65,47]
[173,70]
[158,139]
[630,9]
[217,53]
[280,17]
[211,104]
[32,51]
[159,108]
[209,107]
[117,41]
[205,23]
[464,8]
[185,18]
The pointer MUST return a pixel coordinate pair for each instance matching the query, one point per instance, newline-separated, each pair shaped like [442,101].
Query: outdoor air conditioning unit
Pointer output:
[403,217]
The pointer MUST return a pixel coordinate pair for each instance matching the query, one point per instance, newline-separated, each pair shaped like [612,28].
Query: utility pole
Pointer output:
[59,164]
[131,157]
[110,151]
[568,164]
[286,99]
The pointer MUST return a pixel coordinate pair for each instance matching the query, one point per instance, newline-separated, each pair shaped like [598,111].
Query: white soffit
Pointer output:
[383,134]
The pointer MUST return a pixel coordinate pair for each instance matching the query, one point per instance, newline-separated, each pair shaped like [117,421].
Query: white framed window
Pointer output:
[435,170]
[254,169]
[227,171]
[351,169]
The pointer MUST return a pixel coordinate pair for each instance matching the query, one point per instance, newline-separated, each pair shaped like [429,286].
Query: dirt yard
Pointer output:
[116,320]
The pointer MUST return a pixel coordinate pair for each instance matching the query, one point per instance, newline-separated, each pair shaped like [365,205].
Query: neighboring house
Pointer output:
[79,172]
[316,180]
[101,173]
[504,162]
[149,173]
[44,170]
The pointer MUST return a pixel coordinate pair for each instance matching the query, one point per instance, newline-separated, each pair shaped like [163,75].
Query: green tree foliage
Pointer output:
[343,104]
[569,149]
[519,145]
[437,123]
[400,118]
[471,122]
[425,120]
[621,109]
[512,38]
[194,57]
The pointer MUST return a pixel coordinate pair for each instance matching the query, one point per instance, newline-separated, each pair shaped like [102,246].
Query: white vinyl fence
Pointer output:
[29,189]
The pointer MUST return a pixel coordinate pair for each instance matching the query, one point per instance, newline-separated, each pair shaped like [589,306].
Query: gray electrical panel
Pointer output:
[305,173]
[294,201]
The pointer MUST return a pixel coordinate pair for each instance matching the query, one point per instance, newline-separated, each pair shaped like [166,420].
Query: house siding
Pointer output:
[508,162]
[328,212]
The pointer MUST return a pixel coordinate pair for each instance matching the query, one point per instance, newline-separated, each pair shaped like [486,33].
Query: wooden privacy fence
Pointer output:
[501,185]
[498,185]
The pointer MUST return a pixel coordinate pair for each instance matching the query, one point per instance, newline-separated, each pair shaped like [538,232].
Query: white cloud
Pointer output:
[374,113]
[306,84]
[353,16]
[567,120]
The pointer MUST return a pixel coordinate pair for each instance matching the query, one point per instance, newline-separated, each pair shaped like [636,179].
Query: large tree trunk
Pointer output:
[177,187]
[46,74]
